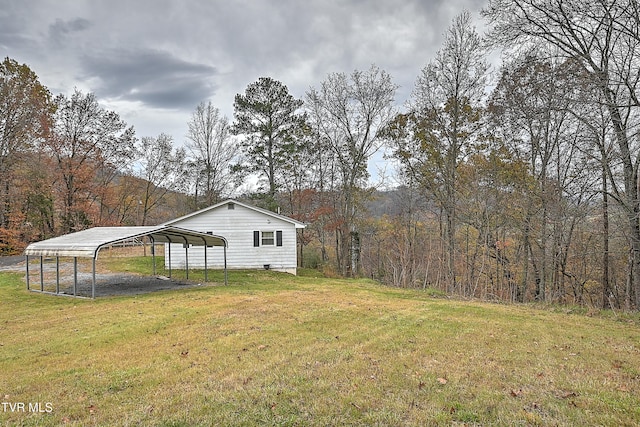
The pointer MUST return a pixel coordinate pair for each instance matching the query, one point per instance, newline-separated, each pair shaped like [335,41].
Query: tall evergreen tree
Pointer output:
[267,118]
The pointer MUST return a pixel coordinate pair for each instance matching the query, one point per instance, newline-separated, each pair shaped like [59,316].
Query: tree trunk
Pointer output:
[635,248]
[632,202]
[605,237]
[451,248]
[355,253]
[6,205]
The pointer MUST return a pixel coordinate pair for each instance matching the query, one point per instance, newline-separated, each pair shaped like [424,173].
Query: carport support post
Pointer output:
[153,254]
[75,275]
[169,259]
[27,265]
[57,275]
[226,280]
[206,279]
[186,257]
[93,279]
[41,273]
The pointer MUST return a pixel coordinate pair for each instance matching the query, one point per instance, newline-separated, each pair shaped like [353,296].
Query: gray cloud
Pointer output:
[12,24]
[145,55]
[155,78]
[59,30]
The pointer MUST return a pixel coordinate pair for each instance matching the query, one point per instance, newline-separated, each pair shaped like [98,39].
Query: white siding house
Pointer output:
[257,238]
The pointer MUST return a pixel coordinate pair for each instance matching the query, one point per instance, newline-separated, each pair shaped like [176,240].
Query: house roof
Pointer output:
[296,223]
[87,243]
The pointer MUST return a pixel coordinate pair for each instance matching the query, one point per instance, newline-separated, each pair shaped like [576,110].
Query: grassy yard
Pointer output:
[273,349]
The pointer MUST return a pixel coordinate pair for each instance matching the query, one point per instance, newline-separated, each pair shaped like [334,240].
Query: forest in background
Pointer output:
[516,184]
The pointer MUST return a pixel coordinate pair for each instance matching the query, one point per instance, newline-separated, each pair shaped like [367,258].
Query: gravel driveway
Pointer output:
[8,261]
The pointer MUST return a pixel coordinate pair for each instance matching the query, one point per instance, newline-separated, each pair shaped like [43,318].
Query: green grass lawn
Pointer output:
[274,349]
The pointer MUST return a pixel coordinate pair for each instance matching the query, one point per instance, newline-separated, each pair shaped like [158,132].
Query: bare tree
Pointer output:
[438,133]
[602,37]
[212,153]
[349,112]
[163,169]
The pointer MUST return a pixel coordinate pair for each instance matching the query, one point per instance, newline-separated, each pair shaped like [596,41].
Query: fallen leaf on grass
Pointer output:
[567,394]
[442,381]
[516,393]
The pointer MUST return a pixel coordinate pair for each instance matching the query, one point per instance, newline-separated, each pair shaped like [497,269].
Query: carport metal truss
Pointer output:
[87,244]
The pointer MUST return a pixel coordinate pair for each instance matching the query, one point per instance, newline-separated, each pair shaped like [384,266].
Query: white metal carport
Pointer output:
[87,244]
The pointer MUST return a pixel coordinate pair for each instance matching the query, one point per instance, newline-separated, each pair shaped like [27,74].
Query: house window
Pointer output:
[267,238]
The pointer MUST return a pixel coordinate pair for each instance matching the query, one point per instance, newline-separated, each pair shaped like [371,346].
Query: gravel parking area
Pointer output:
[106,283]
[122,284]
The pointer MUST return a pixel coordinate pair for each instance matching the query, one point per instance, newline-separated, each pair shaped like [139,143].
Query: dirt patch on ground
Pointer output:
[107,284]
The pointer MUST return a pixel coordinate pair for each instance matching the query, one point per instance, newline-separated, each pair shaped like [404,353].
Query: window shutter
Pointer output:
[256,239]
[278,238]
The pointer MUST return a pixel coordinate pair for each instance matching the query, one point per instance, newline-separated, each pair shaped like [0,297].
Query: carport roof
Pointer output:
[87,243]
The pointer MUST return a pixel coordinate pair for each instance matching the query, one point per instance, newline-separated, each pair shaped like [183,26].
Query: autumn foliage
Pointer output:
[519,185]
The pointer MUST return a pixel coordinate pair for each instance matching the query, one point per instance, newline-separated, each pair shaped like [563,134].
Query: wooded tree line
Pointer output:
[519,185]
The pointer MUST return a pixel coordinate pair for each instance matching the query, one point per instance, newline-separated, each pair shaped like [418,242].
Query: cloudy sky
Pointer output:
[153,61]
